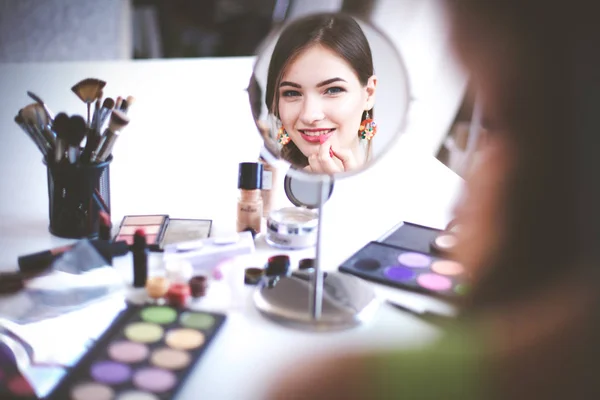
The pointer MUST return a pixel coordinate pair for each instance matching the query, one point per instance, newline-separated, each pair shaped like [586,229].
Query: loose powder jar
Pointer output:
[292,228]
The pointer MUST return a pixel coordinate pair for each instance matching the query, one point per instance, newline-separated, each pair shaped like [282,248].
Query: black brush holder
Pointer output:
[74,205]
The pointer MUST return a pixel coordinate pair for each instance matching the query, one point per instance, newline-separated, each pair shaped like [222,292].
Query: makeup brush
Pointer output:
[118,121]
[118,103]
[95,116]
[32,120]
[60,126]
[38,100]
[75,134]
[428,316]
[94,139]
[88,90]
[44,123]
[127,103]
[107,107]
[105,226]
[19,121]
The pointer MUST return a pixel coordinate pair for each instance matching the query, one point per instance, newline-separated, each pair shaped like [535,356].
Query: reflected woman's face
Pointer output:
[321,100]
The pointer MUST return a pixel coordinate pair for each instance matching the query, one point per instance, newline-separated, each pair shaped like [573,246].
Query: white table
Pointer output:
[191,126]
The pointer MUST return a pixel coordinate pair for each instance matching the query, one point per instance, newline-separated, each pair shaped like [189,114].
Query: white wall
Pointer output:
[65,30]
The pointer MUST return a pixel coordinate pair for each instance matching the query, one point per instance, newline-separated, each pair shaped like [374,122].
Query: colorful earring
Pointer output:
[282,136]
[368,128]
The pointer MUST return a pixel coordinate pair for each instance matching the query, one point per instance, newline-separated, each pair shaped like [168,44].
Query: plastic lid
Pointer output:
[250,176]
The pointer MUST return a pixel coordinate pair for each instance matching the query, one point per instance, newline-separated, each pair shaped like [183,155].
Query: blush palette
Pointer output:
[408,269]
[161,230]
[146,354]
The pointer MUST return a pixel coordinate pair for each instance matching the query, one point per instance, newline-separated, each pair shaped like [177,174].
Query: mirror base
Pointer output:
[347,301]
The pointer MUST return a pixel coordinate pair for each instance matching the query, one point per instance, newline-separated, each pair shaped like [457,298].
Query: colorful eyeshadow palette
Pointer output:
[161,230]
[408,269]
[146,354]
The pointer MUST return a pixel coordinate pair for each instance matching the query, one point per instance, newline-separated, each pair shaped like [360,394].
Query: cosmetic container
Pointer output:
[250,205]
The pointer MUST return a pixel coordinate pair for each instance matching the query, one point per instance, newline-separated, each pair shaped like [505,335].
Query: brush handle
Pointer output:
[43,144]
[434,318]
[33,137]
[104,148]
[104,115]
[59,150]
[49,136]
[91,144]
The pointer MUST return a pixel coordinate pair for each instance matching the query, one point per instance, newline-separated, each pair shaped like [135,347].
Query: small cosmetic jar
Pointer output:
[292,228]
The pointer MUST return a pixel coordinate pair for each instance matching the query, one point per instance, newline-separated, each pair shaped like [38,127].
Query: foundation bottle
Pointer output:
[250,205]
[269,177]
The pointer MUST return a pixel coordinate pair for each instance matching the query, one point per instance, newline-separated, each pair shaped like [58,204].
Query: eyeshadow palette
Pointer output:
[147,353]
[161,230]
[411,236]
[408,269]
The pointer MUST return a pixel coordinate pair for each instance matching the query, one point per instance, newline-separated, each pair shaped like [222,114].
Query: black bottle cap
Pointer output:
[278,265]
[250,176]
[306,263]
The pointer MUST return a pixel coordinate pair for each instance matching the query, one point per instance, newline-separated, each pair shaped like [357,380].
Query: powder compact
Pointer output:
[296,227]
[162,231]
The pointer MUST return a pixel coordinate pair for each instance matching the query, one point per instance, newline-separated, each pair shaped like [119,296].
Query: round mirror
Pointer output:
[329,94]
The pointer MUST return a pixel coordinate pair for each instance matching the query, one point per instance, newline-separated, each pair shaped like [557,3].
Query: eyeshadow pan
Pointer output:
[447,267]
[446,241]
[170,358]
[414,260]
[128,352]
[159,315]
[110,372]
[92,391]
[434,282]
[144,219]
[398,273]
[154,379]
[137,395]
[367,264]
[196,320]
[184,339]
[143,332]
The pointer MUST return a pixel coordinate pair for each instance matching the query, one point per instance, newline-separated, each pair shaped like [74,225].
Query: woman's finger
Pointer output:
[346,157]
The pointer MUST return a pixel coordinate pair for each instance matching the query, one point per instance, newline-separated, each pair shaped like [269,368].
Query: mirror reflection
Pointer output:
[329,93]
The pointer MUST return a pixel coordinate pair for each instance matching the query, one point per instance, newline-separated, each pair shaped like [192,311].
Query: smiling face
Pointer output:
[321,99]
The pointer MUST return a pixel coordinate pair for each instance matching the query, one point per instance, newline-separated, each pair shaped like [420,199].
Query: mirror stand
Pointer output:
[317,300]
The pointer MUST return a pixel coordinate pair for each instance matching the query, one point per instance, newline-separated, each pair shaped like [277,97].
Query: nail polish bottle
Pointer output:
[250,204]
[269,177]
[139,250]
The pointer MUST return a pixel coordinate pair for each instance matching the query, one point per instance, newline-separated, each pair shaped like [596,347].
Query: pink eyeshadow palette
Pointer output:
[147,353]
[408,269]
[161,230]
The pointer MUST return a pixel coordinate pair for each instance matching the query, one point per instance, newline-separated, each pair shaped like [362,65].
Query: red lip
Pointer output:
[316,139]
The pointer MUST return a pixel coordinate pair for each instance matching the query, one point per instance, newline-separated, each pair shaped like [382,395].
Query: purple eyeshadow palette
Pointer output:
[412,257]
[408,269]
[147,353]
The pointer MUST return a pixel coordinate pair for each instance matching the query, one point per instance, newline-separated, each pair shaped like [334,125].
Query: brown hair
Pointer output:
[539,68]
[337,32]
